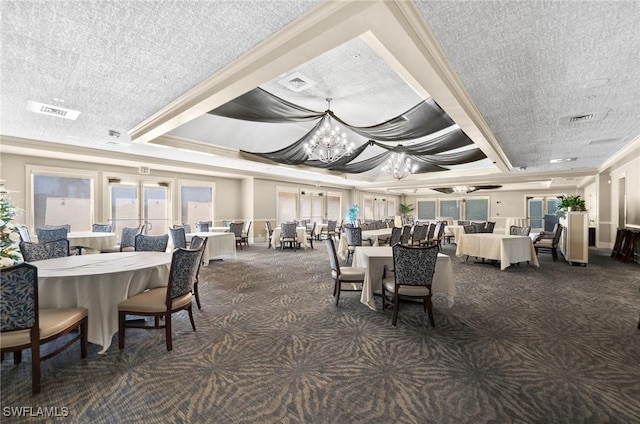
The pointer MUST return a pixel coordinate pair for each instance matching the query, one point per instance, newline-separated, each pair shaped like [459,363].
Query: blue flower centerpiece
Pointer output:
[352,213]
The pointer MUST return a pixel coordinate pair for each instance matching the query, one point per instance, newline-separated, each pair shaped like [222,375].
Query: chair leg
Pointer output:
[121,330]
[193,323]
[554,254]
[17,357]
[167,331]
[429,307]
[35,362]
[337,295]
[396,306]
[84,337]
[197,295]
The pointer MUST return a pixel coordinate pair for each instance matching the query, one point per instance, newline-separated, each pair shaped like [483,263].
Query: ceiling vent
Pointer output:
[583,118]
[51,110]
[297,82]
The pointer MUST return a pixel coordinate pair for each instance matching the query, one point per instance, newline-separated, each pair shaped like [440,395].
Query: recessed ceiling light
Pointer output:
[596,83]
[562,160]
[356,56]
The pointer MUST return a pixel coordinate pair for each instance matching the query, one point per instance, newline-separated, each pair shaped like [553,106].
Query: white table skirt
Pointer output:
[301,233]
[505,248]
[92,240]
[343,247]
[218,244]
[456,230]
[219,229]
[375,258]
[99,283]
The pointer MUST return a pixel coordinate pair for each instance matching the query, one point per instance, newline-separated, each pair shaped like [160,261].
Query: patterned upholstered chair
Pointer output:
[419,237]
[162,302]
[179,237]
[55,227]
[396,235]
[490,227]
[32,252]
[439,233]
[406,235]
[481,227]
[352,277]
[548,242]
[24,326]
[23,231]
[330,229]
[197,243]
[203,226]
[312,234]
[236,229]
[470,229]
[514,230]
[354,239]
[187,227]
[463,222]
[269,232]
[288,235]
[144,243]
[102,228]
[51,234]
[245,234]
[127,240]
[412,278]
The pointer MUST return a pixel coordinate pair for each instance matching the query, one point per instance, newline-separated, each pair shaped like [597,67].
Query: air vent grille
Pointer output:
[581,118]
[50,110]
[297,82]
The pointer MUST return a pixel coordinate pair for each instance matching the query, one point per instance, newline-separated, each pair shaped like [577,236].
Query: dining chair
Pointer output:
[245,234]
[55,227]
[419,235]
[490,227]
[162,302]
[203,226]
[354,239]
[127,240]
[25,326]
[330,230]
[236,229]
[23,231]
[144,243]
[481,227]
[396,235]
[288,235]
[179,237]
[470,229]
[431,234]
[187,227]
[51,234]
[102,228]
[312,234]
[32,252]
[549,241]
[515,230]
[413,269]
[197,243]
[269,232]
[353,277]
[406,235]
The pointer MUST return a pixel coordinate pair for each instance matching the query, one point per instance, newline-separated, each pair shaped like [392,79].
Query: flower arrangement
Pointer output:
[570,202]
[8,234]
[352,213]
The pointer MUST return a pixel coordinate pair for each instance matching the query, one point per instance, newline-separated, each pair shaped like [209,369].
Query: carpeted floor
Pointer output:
[558,344]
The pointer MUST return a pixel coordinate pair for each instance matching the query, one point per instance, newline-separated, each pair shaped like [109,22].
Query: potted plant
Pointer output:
[8,234]
[352,214]
[569,203]
[405,209]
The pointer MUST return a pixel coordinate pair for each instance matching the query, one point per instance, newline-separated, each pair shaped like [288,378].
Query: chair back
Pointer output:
[463,223]
[196,242]
[203,226]
[179,237]
[288,231]
[236,229]
[333,255]
[514,230]
[19,298]
[406,234]
[56,227]
[490,227]
[187,227]
[432,231]
[246,232]
[556,235]
[313,230]
[102,228]
[443,225]
[470,229]
[414,266]
[144,243]
[184,269]
[23,231]
[419,233]
[354,236]
[51,234]
[481,227]
[331,225]
[40,251]
[128,237]
[269,227]
[396,234]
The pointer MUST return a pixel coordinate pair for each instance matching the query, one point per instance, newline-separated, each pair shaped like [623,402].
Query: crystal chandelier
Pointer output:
[328,144]
[463,189]
[399,166]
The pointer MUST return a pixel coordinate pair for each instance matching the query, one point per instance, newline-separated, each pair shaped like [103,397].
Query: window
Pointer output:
[287,205]
[367,210]
[392,210]
[450,209]
[133,202]
[477,210]
[380,208]
[426,210]
[334,206]
[62,197]
[311,206]
[196,203]
[537,208]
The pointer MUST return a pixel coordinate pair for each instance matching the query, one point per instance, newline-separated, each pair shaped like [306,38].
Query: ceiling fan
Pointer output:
[464,189]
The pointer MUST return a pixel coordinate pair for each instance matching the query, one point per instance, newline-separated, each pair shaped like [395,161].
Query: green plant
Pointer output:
[570,201]
[352,213]
[405,209]
[8,233]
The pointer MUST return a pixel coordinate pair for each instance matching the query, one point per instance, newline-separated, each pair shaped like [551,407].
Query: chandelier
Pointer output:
[399,166]
[328,144]
[463,189]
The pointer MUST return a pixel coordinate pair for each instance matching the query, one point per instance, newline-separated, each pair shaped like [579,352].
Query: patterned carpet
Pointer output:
[558,344]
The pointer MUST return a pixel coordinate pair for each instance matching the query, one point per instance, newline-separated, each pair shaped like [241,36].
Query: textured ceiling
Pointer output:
[524,64]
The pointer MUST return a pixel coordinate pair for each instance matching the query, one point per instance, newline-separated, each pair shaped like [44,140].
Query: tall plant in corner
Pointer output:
[405,209]
[8,233]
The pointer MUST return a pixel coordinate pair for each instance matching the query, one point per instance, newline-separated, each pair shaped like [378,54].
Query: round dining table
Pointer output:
[99,282]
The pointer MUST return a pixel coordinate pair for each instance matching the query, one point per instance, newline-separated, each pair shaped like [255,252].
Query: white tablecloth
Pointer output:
[99,283]
[456,230]
[505,248]
[343,247]
[375,258]
[218,244]
[300,231]
[219,229]
[92,240]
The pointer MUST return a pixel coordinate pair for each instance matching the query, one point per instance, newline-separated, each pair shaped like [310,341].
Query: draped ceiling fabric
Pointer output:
[424,119]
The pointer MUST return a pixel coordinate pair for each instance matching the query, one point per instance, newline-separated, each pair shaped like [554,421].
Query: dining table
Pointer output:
[373,260]
[93,240]
[371,236]
[219,229]
[456,230]
[505,248]
[301,233]
[99,283]
[218,246]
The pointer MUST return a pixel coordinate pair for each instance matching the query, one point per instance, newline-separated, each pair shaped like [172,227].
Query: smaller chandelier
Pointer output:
[399,166]
[463,189]
[328,144]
